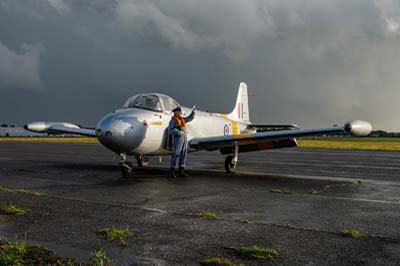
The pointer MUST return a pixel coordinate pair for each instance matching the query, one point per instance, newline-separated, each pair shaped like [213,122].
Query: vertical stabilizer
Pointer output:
[241,111]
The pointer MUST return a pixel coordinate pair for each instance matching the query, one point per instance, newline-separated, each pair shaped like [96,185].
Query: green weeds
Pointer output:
[257,253]
[112,233]
[352,233]
[207,215]
[219,261]
[13,210]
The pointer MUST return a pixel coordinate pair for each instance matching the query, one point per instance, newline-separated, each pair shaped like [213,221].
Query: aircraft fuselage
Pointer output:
[135,131]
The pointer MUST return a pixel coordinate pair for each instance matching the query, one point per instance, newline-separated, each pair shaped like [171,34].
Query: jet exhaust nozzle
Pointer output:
[358,128]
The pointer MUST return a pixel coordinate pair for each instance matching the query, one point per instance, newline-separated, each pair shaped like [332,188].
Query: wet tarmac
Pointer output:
[330,191]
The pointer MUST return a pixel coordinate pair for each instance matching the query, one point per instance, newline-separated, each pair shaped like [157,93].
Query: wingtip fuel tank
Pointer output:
[358,128]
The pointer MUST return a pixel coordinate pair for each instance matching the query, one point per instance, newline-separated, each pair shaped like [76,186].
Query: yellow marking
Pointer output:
[224,116]
[160,159]
[234,128]
[156,123]
[246,142]
[242,136]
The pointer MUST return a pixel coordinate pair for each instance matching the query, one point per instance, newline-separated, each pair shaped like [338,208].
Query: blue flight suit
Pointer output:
[179,142]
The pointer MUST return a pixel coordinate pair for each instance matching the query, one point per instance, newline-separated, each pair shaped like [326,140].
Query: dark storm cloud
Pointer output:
[312,62]
[20,69]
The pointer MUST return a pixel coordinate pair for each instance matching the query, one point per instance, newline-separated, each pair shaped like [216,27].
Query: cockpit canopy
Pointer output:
[151,101]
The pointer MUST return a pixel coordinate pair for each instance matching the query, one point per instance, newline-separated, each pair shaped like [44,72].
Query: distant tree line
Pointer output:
[385,134]
[373,134]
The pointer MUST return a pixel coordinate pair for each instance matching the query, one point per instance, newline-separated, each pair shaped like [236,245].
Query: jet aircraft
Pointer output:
[139,128]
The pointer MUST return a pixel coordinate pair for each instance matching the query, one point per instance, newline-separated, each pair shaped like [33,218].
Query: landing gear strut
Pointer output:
[142,160]
[125,165]
[231,160]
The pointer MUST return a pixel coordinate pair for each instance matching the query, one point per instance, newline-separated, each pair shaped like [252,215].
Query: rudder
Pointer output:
[241,111]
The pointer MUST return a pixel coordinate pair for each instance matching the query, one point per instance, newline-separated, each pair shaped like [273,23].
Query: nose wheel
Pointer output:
[142,160]
[125,166]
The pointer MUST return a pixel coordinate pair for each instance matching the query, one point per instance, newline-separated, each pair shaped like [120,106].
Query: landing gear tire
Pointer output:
[142,160]
[230,166]
[126,169]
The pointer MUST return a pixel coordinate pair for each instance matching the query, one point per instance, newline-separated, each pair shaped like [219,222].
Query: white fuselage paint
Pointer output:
[135,131]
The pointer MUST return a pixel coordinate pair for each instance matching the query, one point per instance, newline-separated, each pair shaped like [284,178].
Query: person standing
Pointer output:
[177,129]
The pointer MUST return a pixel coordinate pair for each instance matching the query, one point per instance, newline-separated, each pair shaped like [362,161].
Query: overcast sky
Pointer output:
[314,63]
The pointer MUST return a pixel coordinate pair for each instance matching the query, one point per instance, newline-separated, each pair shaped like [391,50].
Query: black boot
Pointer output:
[182,172]
[172,173]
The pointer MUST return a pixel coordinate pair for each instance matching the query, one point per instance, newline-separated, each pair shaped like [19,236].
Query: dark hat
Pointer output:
[178,108]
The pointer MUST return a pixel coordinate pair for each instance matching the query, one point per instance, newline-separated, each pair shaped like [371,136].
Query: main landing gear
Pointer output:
[231,160]
[125,166]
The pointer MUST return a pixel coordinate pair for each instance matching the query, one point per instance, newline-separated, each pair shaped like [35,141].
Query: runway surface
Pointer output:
[330,191]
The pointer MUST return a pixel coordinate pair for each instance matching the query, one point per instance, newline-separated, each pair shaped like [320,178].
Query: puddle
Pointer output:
[64,251]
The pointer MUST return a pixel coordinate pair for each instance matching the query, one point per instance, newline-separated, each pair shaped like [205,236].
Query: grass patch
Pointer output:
[22,191]
[13,210]
[4,189]
[352,233]
[26,191]
[112,233]
[50,140]
[219,261]
[328,187]
[12,253]
[99,258]
[313,191]
[281,190]
[20,254]
[378,144]
[207,215]
[356,183]
[257,253]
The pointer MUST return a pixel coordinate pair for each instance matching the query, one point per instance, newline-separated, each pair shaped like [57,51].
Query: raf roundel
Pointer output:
[226,130]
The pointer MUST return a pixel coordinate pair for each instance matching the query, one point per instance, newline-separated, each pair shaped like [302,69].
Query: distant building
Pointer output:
[13,131]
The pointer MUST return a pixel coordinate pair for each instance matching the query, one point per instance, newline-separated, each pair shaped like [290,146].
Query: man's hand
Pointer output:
[193,111]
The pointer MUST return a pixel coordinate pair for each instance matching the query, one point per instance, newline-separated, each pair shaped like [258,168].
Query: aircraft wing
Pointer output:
[274,139]
[59,128]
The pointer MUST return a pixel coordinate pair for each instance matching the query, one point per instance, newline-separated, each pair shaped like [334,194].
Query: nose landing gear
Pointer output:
[125,166]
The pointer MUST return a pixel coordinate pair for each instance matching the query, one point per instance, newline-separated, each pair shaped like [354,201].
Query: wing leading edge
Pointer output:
[275,139]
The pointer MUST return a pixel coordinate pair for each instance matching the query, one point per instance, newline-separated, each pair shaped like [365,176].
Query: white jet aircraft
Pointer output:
[139,128]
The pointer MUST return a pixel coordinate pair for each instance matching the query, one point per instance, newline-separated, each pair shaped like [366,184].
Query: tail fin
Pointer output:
[241,111]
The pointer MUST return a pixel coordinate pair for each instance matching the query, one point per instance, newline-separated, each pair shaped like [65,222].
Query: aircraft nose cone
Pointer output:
[120,133]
